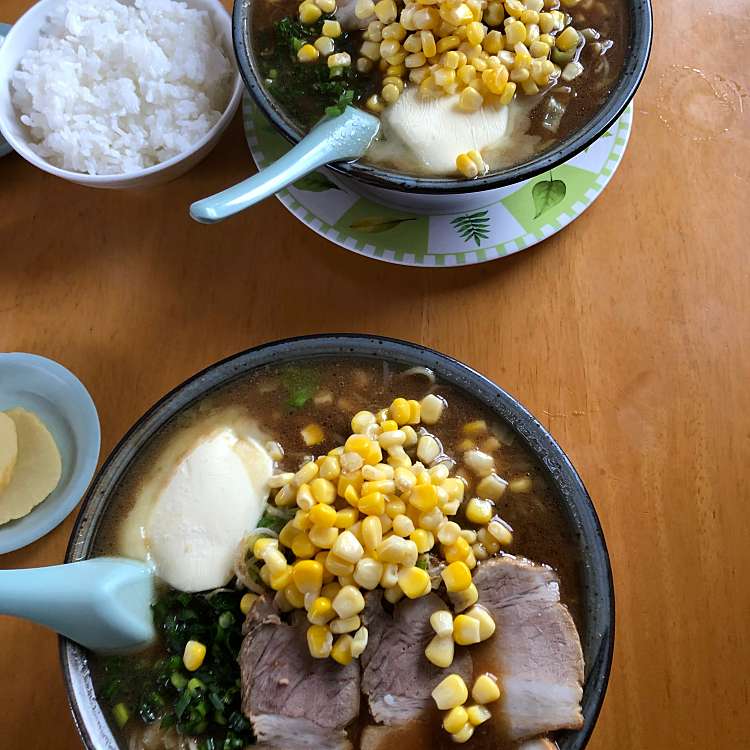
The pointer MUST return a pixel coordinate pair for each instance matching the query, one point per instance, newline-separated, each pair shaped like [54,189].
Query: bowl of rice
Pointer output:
[118,93]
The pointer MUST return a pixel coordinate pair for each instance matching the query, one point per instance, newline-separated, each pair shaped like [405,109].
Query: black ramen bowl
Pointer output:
[634,67]
[598,595]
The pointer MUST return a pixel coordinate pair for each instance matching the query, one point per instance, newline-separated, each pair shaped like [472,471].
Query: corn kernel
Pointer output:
[327,6]
[478,715]
[263,545]
[372,504]
[396,550]
[337,566]
[294,596]
[386,11]
[321,611]
[368,573]
[456,576]
[414,582]
[372,532]
[515,32]
[342,650]
[466,166]
[567,39]
[307,53]
[458,15]
[308,576]
[349,601]
[275,560]
[288,534]
[461,600]
[464,734]
[546,22]
[347,547]
[247,601]
[403,525]
[193,655]
[345,624]
[280,480]
[323,491]
[313,433]
[455,719]
[469,535]
[479,511]
[281,579]
[491,487]
[442,622]
[309,13]
[319,641]
[359,642]
[424,497]
[324,536]
[494,14]
[507,96]
[475,32]
[493,42]
[431,520]
[501,532]
[485,689]
[466,630]
[484,618]
[389,579]
[331,29]
[364,9]
[323,515]
[450,692]
[424,540]
[330,590]
[306,473]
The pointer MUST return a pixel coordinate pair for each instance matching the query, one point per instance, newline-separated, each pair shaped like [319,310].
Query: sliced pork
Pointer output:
[536,651]
[397,678]
[295,702]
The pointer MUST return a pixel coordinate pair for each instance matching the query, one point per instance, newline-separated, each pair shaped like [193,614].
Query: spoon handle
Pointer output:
[101,604]
[344,137]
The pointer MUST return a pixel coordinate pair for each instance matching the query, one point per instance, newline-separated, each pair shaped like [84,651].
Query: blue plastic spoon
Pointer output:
[339,138]
[103,604]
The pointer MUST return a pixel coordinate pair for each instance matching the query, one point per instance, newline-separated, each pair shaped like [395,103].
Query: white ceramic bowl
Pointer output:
[24,36]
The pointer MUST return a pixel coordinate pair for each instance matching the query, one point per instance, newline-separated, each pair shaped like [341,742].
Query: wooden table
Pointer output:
[627,335]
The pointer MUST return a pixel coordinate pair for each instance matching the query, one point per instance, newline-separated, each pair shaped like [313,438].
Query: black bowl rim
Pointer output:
[566,480]
[640,43]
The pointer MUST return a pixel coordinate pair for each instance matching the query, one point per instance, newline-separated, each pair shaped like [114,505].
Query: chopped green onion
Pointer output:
[194,684]
[121,714]
[226,620]
[178,680]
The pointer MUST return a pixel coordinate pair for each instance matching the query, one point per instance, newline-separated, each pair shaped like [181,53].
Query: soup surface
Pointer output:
[506,80]
[154,701]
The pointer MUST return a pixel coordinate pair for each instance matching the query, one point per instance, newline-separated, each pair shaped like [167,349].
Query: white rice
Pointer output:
[119,86]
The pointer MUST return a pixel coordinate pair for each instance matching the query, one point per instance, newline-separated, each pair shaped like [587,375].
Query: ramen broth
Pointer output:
[283,401]
[536,122]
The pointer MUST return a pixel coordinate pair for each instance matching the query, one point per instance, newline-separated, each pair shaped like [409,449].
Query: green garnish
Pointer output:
[208,703]
[307,91]
[121,714]
[300,383]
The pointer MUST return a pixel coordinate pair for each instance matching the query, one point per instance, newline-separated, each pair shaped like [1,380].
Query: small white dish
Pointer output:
[24,35]
[63,404]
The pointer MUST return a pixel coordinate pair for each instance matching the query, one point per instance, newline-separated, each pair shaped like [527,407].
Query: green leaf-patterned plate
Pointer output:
[524,215]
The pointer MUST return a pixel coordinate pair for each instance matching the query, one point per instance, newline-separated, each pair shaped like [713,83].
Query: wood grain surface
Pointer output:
[627,335]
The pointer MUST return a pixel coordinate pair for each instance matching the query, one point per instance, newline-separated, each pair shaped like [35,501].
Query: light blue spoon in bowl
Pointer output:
[104,604]
[341,138]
